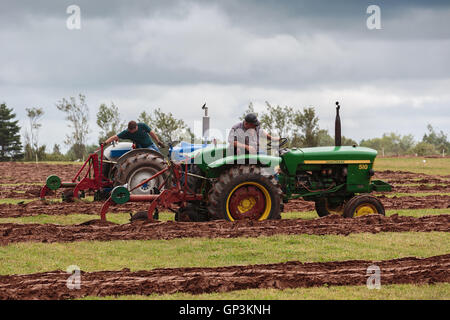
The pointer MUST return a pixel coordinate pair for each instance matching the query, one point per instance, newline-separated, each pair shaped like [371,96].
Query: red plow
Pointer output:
[89,178]
[175,192]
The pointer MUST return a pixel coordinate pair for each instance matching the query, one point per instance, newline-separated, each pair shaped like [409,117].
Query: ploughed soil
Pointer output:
[17,172]
[22,174]
[146,230]
[405,177]
[292,274]
[29,172]
[406,202]
[20,191]
[53,208]
[24,191]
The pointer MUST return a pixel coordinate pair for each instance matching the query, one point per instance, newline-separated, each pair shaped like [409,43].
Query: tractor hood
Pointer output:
[212,159]
[114,152]
[327,155]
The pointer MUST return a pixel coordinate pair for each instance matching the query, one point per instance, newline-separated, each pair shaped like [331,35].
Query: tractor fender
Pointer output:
[261,159]
[136,152]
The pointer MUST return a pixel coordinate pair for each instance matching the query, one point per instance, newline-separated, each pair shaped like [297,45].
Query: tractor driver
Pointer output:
[141,135]
[245,135]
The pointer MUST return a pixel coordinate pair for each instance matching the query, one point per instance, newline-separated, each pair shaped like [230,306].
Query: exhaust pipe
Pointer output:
[337,127]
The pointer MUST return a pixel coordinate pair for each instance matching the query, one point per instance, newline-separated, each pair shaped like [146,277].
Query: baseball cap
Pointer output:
[252,118]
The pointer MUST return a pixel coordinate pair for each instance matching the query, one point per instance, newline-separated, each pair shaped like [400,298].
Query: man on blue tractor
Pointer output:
[141,135]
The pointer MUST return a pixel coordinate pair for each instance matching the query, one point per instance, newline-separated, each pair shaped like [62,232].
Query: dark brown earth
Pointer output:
[20,191]
[17,172]
[24,191]
[34,173]
[143,230]
[292,274]
[25,173]
[404,177]
[50,208]
[406,202]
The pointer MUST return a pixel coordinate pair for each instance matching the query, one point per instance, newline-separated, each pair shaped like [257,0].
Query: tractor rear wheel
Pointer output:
[139,168]
[363,205]
[243,193]
[325,208]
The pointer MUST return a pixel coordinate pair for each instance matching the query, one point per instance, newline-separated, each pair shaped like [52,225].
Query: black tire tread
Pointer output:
[135,162]
[238,174]
[360,199]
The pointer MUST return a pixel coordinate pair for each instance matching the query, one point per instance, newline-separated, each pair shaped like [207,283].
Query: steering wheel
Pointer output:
[283,142]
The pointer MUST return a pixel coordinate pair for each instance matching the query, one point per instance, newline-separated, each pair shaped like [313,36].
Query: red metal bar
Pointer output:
[142,197]
[101,164]
[105,208]
[44,191]
[79,171]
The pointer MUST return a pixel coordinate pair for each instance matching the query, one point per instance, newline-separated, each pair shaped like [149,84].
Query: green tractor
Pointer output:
[338,179]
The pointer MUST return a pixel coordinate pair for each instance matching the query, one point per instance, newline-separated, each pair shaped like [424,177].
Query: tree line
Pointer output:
[76,112]
[301,127]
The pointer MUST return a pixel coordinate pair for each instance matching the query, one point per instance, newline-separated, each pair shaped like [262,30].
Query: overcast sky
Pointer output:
[176,55]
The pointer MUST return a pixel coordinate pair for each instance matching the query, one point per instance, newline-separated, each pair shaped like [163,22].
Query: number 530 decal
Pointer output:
[363,167]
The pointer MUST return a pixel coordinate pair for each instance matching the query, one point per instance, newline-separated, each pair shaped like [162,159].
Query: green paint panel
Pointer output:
[296,157]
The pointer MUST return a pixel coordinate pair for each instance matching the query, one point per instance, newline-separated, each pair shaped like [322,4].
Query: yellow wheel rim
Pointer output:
[248,203]
[365,209]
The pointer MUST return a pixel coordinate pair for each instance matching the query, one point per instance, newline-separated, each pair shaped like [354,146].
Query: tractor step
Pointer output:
[378,185]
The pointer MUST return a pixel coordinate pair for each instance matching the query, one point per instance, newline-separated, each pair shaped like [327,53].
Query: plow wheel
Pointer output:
[243,193]
[139,168]
[363,205]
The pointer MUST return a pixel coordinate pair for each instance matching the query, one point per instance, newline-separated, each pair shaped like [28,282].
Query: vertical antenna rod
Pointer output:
[337,127]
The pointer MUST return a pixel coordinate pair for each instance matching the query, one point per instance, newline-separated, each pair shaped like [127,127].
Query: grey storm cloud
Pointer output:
[176,54]
[268,43]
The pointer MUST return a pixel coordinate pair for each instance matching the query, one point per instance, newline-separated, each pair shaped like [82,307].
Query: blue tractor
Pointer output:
[127,166]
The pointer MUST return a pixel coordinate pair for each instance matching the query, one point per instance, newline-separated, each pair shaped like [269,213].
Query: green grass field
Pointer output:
[439,291]
[435,166]
[19,258]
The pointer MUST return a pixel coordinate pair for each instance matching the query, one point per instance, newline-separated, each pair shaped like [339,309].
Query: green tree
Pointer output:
[391,144]
[32,136]
[10,145]
[56,154]
[425,149]
[305,128]
[77,113]
[108,119]
[324,139]
[166,126]
[438,140]
[277,120]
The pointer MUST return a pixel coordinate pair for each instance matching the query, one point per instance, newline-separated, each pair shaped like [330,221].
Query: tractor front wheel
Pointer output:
[243,193]
[363,205]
